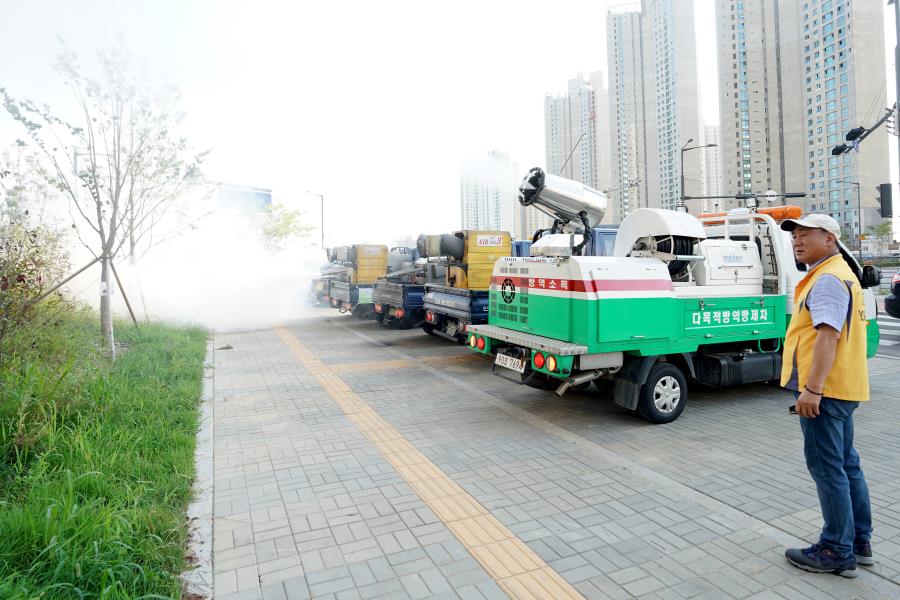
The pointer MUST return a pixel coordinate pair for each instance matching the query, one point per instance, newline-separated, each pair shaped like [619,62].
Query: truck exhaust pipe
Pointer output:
[577,380]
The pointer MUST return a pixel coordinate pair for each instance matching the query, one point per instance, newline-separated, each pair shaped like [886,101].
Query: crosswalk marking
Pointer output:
[889,328]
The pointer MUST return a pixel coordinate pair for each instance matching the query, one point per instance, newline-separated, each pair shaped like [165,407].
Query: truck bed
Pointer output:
[468,305]
[404,295]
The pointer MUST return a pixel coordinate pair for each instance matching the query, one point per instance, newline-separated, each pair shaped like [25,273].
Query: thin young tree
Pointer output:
[119,160]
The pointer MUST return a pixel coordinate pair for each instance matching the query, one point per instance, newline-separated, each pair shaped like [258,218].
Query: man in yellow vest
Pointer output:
[825,366]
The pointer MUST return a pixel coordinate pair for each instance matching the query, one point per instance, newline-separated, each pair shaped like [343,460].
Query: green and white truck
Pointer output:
[683,299]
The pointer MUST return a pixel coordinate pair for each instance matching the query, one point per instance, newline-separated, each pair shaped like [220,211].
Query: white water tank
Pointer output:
[729,263]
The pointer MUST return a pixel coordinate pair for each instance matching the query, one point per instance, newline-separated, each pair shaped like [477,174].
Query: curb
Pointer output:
[198,581]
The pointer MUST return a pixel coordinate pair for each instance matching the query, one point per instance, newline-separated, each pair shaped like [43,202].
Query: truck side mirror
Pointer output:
[871,276]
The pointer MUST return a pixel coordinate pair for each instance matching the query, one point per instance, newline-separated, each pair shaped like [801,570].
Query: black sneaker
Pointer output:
[862,550]
[817,559]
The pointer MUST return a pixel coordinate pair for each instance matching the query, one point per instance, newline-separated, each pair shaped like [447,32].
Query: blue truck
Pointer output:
[400,297]
[460,299]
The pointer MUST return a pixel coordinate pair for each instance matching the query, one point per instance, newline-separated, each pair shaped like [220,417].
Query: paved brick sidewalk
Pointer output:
[307,505]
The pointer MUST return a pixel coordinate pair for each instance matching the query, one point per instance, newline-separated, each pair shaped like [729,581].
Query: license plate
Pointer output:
[509,362]
[451,329]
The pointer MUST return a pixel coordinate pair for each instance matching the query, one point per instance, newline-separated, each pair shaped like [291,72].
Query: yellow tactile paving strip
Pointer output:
[517,569]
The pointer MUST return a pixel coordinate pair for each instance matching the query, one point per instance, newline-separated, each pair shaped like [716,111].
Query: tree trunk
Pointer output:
[106,322]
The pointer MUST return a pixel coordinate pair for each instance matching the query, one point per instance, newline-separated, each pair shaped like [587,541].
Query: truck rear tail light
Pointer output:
[481,343]
[551,362]
[472,340]
[377,308]
[539,360]
[429,316]
[399,313]
[461,326]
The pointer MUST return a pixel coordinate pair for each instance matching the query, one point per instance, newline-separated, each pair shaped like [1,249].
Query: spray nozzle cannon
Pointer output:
[565,200]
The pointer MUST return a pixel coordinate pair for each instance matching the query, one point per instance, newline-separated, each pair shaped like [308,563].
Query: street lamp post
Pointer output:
[858,216]
[684,149]
[321,214]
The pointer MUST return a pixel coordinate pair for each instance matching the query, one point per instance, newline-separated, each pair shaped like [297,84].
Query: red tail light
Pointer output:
[399,313]
[462,326]
[539,360]
[481,343]
[429,316]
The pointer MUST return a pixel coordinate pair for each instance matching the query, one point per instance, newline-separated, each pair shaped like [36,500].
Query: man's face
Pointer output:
[812,245]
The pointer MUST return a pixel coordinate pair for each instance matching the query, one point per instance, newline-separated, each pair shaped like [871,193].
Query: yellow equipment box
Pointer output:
[369,263]
[482,250]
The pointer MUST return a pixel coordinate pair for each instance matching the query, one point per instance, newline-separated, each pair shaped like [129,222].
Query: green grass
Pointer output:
[96,461]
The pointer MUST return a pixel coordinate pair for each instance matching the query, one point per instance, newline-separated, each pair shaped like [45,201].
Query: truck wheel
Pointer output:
[428,328]
[663,396]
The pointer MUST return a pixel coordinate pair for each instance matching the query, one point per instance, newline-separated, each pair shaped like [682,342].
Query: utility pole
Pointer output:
[897,63]
[859,217]
[685,148]
[321,215]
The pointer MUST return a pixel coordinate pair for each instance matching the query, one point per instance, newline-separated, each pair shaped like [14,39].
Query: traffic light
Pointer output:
[885,199]
[854,133]
[840,149]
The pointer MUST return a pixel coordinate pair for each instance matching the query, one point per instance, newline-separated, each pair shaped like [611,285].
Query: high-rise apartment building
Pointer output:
[794,76]
[842,54]
[627,143]
[670,99]
[653,110]
[576,134]
[710,167]
[488,192]
[759,109]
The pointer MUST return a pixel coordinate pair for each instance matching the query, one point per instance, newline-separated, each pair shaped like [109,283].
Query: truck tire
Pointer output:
[663,396]
[428,328]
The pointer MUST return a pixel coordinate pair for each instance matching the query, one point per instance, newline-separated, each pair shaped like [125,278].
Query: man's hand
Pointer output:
[808,405]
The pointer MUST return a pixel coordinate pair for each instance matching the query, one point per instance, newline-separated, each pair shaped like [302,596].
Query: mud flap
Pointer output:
[626,393]
[629,380]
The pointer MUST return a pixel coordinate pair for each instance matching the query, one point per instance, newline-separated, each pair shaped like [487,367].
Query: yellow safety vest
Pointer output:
[849,375]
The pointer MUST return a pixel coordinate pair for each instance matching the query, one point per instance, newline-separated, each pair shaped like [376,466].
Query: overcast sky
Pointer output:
[373,104]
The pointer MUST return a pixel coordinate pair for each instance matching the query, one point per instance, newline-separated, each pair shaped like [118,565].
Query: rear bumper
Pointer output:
[528,340]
